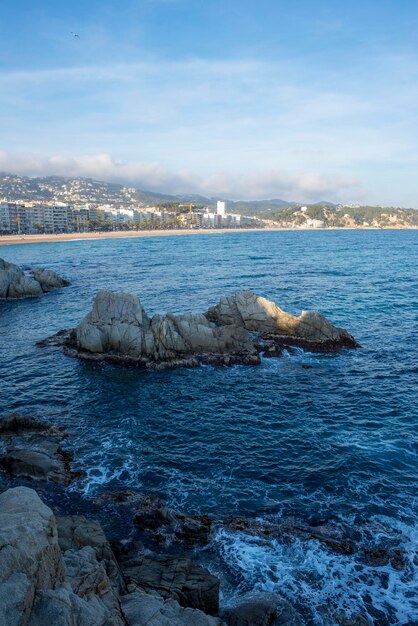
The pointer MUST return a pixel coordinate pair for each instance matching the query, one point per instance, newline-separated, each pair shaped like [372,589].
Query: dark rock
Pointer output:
[34,464]
[286,615]
[171,577]
[332,536]
[33,450]
[16,423]
[354,620]
[152,512]
[251,610]
[380,556]
[153,516]
[193,530]
[273,352]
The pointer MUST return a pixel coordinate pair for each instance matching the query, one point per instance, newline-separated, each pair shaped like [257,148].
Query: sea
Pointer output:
[309,441]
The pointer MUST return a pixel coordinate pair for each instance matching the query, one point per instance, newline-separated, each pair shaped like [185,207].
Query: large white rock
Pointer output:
[119,325]
[257,314]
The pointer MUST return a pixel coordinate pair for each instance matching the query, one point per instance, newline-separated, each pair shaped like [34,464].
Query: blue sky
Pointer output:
[303,100]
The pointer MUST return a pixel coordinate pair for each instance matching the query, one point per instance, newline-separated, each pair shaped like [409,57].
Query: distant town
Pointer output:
[56,205]
[29,218]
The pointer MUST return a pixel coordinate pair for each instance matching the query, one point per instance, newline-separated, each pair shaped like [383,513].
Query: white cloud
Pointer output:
[307,186]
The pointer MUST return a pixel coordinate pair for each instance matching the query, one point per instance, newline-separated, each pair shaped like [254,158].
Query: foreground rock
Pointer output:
[67,575]
[75,532]
[237,330]
[15,283]
[30,558]
[144,610]
[32,449]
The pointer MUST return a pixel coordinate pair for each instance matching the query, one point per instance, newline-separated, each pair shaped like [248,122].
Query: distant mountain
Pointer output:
[80,191]
[76,191]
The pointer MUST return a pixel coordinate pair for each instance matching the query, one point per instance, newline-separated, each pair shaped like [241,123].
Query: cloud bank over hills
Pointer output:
[306,186]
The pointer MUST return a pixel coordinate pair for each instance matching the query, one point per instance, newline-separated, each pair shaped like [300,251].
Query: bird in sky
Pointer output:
[76,35]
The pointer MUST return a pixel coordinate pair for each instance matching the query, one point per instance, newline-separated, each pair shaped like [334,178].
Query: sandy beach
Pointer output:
[16,239]
[13,239]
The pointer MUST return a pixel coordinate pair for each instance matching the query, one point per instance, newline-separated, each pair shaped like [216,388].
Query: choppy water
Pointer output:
[334,443]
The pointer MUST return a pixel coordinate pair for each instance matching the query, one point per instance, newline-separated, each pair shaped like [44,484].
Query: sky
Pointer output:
[303,100]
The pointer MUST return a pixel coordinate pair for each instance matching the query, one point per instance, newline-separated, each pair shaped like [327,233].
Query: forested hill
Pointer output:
[338,216]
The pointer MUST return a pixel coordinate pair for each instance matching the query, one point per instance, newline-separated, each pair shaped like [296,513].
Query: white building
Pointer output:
[220,208]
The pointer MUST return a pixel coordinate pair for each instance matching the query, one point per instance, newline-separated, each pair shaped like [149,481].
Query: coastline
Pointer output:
[50,238]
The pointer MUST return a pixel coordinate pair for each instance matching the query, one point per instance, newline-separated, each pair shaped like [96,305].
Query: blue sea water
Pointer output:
[334,443]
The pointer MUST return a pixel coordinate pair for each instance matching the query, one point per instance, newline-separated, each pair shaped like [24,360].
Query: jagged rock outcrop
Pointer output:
[15,283]
[119,329]
[256,314]
[67,575]
[235,331]
[32,449]
[172,577]
[75,532]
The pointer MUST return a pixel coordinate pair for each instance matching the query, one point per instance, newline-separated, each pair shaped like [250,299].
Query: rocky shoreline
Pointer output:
[238,330]
[64,570]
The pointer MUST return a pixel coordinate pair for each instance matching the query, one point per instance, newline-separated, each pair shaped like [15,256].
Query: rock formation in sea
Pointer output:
[15,283]
[236,330]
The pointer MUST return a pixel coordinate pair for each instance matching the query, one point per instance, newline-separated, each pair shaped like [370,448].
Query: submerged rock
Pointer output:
[14,283]
[236,331]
